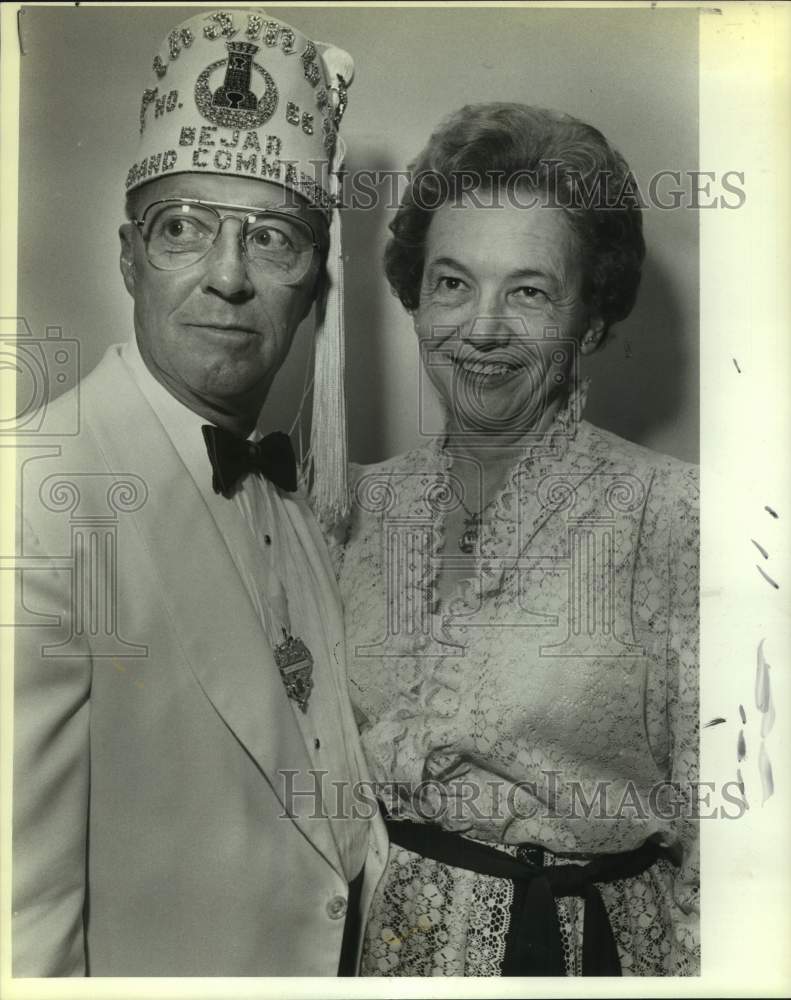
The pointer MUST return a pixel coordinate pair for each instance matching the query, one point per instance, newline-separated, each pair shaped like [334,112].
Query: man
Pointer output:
[185,751]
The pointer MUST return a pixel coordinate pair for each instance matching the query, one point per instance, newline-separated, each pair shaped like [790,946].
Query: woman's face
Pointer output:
[502,314]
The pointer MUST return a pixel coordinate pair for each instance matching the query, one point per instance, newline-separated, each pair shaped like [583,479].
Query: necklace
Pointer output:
[471,529]
[468,541]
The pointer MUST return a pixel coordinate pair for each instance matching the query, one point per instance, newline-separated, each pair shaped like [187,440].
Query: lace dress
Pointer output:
[550,702]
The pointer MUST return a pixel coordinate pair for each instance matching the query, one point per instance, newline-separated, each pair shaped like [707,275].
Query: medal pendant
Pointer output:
[295,663]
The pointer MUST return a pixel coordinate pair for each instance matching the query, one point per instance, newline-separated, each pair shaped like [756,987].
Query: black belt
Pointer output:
[534,946]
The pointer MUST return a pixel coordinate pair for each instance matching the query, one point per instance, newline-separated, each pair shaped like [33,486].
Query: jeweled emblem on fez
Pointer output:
[295,663]
[234,104]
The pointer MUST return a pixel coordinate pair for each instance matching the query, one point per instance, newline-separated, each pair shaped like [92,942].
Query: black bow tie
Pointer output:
[232,458]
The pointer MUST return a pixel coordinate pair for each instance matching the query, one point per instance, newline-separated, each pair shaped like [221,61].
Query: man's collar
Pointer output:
[172,411]
[181,424]
[168,408]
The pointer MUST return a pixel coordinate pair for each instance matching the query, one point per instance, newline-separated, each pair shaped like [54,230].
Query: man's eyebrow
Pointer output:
[270,203]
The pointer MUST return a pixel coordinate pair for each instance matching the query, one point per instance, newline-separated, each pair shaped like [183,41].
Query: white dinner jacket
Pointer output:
[152,736]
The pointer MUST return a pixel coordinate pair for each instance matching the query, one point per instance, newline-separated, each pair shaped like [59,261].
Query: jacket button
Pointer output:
[336,908]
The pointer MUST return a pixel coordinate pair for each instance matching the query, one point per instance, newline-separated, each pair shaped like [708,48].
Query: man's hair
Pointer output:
[506,150]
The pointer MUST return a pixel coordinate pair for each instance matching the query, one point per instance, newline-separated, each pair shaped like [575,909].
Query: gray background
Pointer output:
[631,73]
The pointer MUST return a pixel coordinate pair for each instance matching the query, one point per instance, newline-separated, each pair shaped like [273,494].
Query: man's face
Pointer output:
[216,332]
[501,312]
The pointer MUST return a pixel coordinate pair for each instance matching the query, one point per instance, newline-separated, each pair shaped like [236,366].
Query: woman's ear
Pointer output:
[593,335]
[127,236]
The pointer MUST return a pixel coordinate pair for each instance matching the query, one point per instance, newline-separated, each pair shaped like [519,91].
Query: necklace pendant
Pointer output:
[469,537]
[295,662]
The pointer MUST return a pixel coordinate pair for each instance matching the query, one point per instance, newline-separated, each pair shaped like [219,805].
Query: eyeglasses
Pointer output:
[179,232]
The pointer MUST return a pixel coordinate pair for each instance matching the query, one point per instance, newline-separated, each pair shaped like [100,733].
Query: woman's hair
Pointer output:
[505,150]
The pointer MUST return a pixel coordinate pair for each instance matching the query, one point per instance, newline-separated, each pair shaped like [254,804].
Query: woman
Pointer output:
[521,592]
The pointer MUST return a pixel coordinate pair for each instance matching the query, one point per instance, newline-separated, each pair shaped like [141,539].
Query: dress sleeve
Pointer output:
[684,720]
[51,780]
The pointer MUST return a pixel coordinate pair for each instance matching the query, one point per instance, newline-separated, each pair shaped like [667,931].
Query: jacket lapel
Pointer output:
[204,597]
